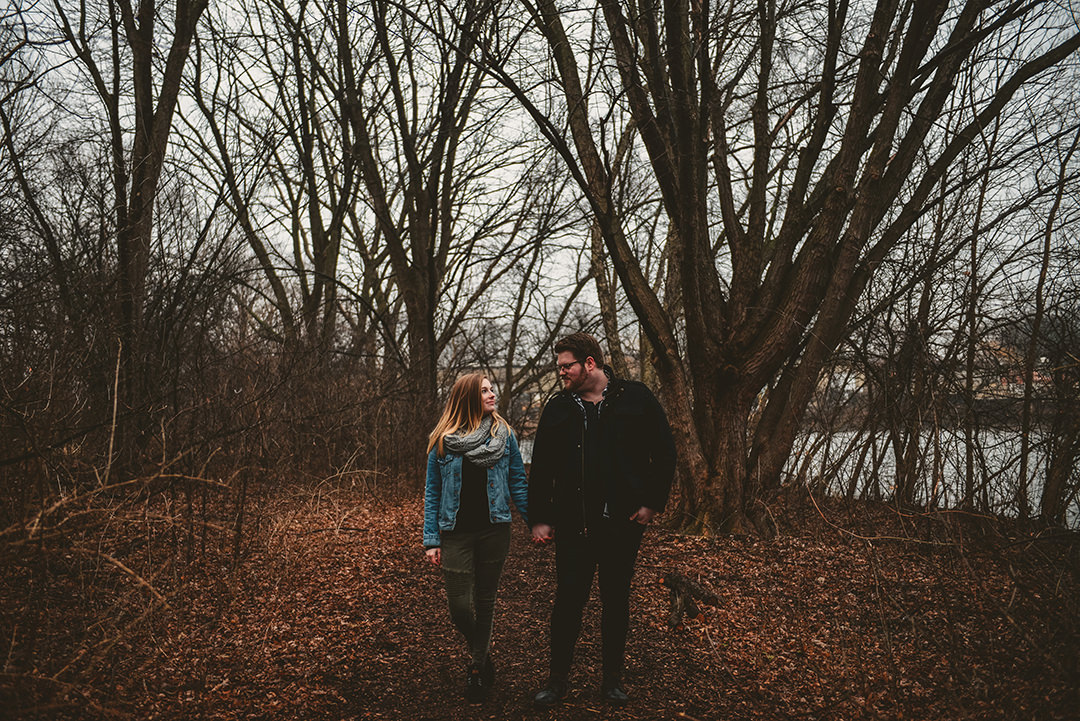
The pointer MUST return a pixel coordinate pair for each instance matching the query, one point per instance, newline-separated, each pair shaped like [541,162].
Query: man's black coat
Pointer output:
[635,448]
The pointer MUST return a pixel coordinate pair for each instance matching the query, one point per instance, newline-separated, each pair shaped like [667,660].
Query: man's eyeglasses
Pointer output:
[565,367]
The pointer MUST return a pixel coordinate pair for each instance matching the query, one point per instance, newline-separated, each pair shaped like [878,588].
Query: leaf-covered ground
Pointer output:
[340,617]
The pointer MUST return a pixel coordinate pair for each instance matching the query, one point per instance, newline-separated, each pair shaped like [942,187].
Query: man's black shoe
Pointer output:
[550,695]
[475,688]
[615,696]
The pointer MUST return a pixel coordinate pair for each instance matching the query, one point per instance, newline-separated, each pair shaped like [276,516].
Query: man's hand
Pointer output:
[643,516]
[542,534]
[434,555]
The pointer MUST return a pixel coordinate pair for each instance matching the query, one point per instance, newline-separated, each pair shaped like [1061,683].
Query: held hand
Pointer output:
[643,516]
[435,556]
[542,534]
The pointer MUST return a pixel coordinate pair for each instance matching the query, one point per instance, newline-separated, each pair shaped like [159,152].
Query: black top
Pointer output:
[629,463]
[594,482]
[473,513]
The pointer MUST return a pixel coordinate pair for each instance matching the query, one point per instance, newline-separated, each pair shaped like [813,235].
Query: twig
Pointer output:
[11,648]
[114,713]
[112,426]
[1004,612]
[878,592]
[325,530]
[32,526]
[138,579]
[106,643]
[716,653]
[873,538]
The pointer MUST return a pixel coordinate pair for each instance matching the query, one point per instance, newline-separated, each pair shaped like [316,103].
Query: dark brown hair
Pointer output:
[583,346]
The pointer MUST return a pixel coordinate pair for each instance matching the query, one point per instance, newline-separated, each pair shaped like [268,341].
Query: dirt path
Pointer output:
[351,624]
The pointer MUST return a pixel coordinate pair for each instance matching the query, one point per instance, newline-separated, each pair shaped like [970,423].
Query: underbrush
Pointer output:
[94,580]
[180,596]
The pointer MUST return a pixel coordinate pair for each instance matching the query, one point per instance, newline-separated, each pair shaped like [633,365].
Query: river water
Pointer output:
[942,468]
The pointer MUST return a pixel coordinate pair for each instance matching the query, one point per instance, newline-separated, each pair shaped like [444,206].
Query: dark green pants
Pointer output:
[472,562]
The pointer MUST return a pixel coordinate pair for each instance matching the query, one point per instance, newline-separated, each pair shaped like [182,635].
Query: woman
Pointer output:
[474,470]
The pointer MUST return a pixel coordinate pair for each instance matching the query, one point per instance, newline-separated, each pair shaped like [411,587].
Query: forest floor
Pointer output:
[860,614]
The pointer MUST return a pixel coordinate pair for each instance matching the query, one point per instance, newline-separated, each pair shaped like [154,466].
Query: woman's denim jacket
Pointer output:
[506,481]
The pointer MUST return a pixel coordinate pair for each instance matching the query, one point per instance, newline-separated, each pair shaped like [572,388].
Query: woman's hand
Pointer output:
[434,555]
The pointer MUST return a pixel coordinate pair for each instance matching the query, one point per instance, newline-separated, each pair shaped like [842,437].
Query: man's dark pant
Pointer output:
[610,549]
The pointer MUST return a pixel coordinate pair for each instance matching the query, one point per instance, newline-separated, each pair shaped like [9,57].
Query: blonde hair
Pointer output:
[464,411]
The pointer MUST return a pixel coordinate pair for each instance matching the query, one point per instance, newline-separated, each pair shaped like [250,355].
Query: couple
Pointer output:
[603,459]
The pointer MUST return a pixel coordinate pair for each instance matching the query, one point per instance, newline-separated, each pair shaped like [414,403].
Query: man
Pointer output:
[602,464]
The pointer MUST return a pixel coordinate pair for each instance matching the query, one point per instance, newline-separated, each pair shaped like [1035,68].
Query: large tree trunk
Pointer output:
[727,496]
[1064,454]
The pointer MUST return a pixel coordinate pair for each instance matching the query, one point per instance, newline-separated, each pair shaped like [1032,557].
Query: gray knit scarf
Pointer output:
[480,446]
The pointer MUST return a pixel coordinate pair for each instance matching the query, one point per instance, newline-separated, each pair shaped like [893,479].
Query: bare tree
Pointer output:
[1032,352]
[793,145]
[378,178]
[1061,343]
[136,78]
